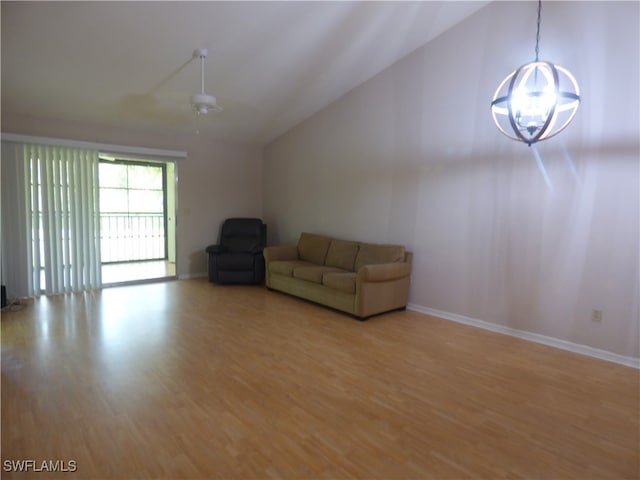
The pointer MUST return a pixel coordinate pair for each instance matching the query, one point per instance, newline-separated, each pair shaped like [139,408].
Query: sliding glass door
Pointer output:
[137,221]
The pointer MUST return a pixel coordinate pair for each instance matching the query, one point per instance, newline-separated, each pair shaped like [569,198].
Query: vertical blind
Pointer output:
[50,219]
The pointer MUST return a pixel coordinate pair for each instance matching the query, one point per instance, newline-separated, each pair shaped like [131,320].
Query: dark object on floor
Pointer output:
[4,296]
[237,258]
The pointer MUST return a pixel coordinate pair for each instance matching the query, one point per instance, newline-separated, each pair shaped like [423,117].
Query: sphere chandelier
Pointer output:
[536,101]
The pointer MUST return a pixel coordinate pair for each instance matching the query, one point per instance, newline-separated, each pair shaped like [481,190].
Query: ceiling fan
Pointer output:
[201,102]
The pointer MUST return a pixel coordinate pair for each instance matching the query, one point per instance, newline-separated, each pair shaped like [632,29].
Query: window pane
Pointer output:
[113,175]
[146,201]
[145,177]
[132,212]
[113,200]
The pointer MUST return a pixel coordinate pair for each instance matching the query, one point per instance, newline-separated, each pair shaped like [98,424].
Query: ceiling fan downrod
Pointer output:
[202,102]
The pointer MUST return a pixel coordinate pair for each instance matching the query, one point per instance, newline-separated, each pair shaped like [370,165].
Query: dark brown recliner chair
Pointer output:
[237,258]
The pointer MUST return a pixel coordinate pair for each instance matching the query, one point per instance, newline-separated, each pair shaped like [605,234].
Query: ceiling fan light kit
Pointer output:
[201,102]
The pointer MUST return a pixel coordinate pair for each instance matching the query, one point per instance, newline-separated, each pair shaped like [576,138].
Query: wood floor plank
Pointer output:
[187,379]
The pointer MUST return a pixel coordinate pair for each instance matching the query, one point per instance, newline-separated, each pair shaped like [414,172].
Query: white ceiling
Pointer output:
[270,64]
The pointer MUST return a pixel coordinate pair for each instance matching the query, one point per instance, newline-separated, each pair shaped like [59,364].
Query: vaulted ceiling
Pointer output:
[270,64]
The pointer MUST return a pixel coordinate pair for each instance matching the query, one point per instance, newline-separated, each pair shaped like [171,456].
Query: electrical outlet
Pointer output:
[596,315]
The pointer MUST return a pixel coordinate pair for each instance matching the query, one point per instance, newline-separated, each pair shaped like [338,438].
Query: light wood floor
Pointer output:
[190,380]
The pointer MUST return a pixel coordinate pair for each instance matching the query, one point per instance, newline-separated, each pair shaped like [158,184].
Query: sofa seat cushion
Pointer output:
[286,267]
[343,281]
[342,254]
[313,273]
[375,254]
[313,248]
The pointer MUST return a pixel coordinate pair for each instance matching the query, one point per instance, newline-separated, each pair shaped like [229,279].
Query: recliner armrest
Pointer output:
[213,249]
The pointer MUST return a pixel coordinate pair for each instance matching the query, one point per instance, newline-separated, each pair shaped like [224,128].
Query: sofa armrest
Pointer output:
[383,272]
[280,252]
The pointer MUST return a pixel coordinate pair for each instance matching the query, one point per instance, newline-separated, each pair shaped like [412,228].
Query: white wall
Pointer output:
[529,238]
[216,180]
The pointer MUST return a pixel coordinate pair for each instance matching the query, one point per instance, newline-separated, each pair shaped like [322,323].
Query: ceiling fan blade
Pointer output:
[168,78]
[146,107]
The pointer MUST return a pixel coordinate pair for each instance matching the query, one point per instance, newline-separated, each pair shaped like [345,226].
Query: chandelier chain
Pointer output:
[538,30]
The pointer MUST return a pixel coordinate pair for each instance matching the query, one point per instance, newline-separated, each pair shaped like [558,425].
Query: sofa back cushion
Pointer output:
[342,254]
[313,248]
[370,254]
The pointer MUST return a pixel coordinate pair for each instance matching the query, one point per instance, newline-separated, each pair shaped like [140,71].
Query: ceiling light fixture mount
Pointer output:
[536,101]
[201,102]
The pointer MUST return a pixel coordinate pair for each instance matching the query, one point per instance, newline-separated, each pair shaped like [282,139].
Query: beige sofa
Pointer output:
[362,279]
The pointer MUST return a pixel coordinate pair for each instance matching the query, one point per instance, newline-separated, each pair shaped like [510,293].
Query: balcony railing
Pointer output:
[132,237]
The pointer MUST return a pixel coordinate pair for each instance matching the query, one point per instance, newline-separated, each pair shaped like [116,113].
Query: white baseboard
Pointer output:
[533,337]
[189,276]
